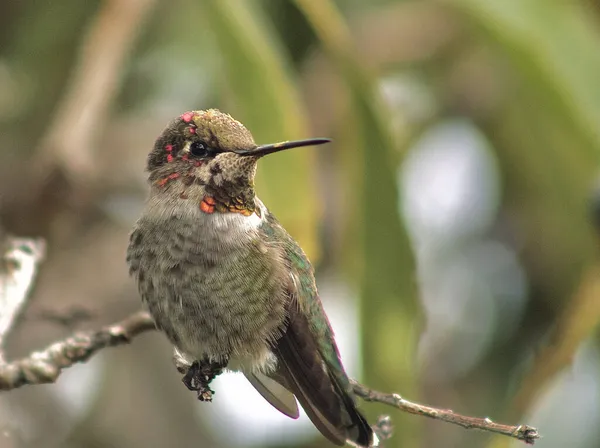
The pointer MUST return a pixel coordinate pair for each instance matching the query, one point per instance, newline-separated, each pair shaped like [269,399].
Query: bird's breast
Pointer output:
[211,282]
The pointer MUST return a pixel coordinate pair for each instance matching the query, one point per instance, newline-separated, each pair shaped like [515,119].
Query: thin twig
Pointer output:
[20,264]
[45,366]
[525,433]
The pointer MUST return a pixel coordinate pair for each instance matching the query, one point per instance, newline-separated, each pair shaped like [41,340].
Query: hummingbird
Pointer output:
[228,285]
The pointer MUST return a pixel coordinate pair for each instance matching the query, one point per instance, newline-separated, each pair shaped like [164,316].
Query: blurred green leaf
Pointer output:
[40,54]
[548,141]
[258,77]
[556,44]
[389,307]
[548,171]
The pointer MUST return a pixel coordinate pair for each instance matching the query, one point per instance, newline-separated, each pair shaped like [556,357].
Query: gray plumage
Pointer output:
[226,283]
[209,281]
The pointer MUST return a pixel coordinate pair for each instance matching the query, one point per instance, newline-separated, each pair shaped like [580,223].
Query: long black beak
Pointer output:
[263,150]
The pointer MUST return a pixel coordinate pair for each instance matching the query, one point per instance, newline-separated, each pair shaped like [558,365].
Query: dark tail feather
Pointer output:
[323,423]
[327,404]
[360,431]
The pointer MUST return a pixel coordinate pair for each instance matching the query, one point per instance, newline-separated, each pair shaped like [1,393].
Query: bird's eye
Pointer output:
[200,149]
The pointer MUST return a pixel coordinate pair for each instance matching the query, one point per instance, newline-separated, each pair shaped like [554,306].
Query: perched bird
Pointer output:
[227,284]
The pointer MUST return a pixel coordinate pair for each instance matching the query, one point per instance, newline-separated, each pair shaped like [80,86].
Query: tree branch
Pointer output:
[82,112]
[45,366]
[19,266]
[525,433]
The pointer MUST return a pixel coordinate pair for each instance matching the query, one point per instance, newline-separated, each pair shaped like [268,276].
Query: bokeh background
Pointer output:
[451,222]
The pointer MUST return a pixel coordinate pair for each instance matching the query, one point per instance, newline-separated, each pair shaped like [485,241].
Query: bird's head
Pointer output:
[209,154]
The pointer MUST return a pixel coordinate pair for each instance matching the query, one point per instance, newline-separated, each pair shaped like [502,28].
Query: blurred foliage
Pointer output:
[387,267]
[375,76]
[264,97]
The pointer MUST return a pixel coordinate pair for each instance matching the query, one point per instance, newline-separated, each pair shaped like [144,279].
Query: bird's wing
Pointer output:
[308,358]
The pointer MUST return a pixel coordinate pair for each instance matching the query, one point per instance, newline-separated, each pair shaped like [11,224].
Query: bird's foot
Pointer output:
[199,376]
[182,361]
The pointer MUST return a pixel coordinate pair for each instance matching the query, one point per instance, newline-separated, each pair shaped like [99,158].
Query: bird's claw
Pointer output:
[199,376]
